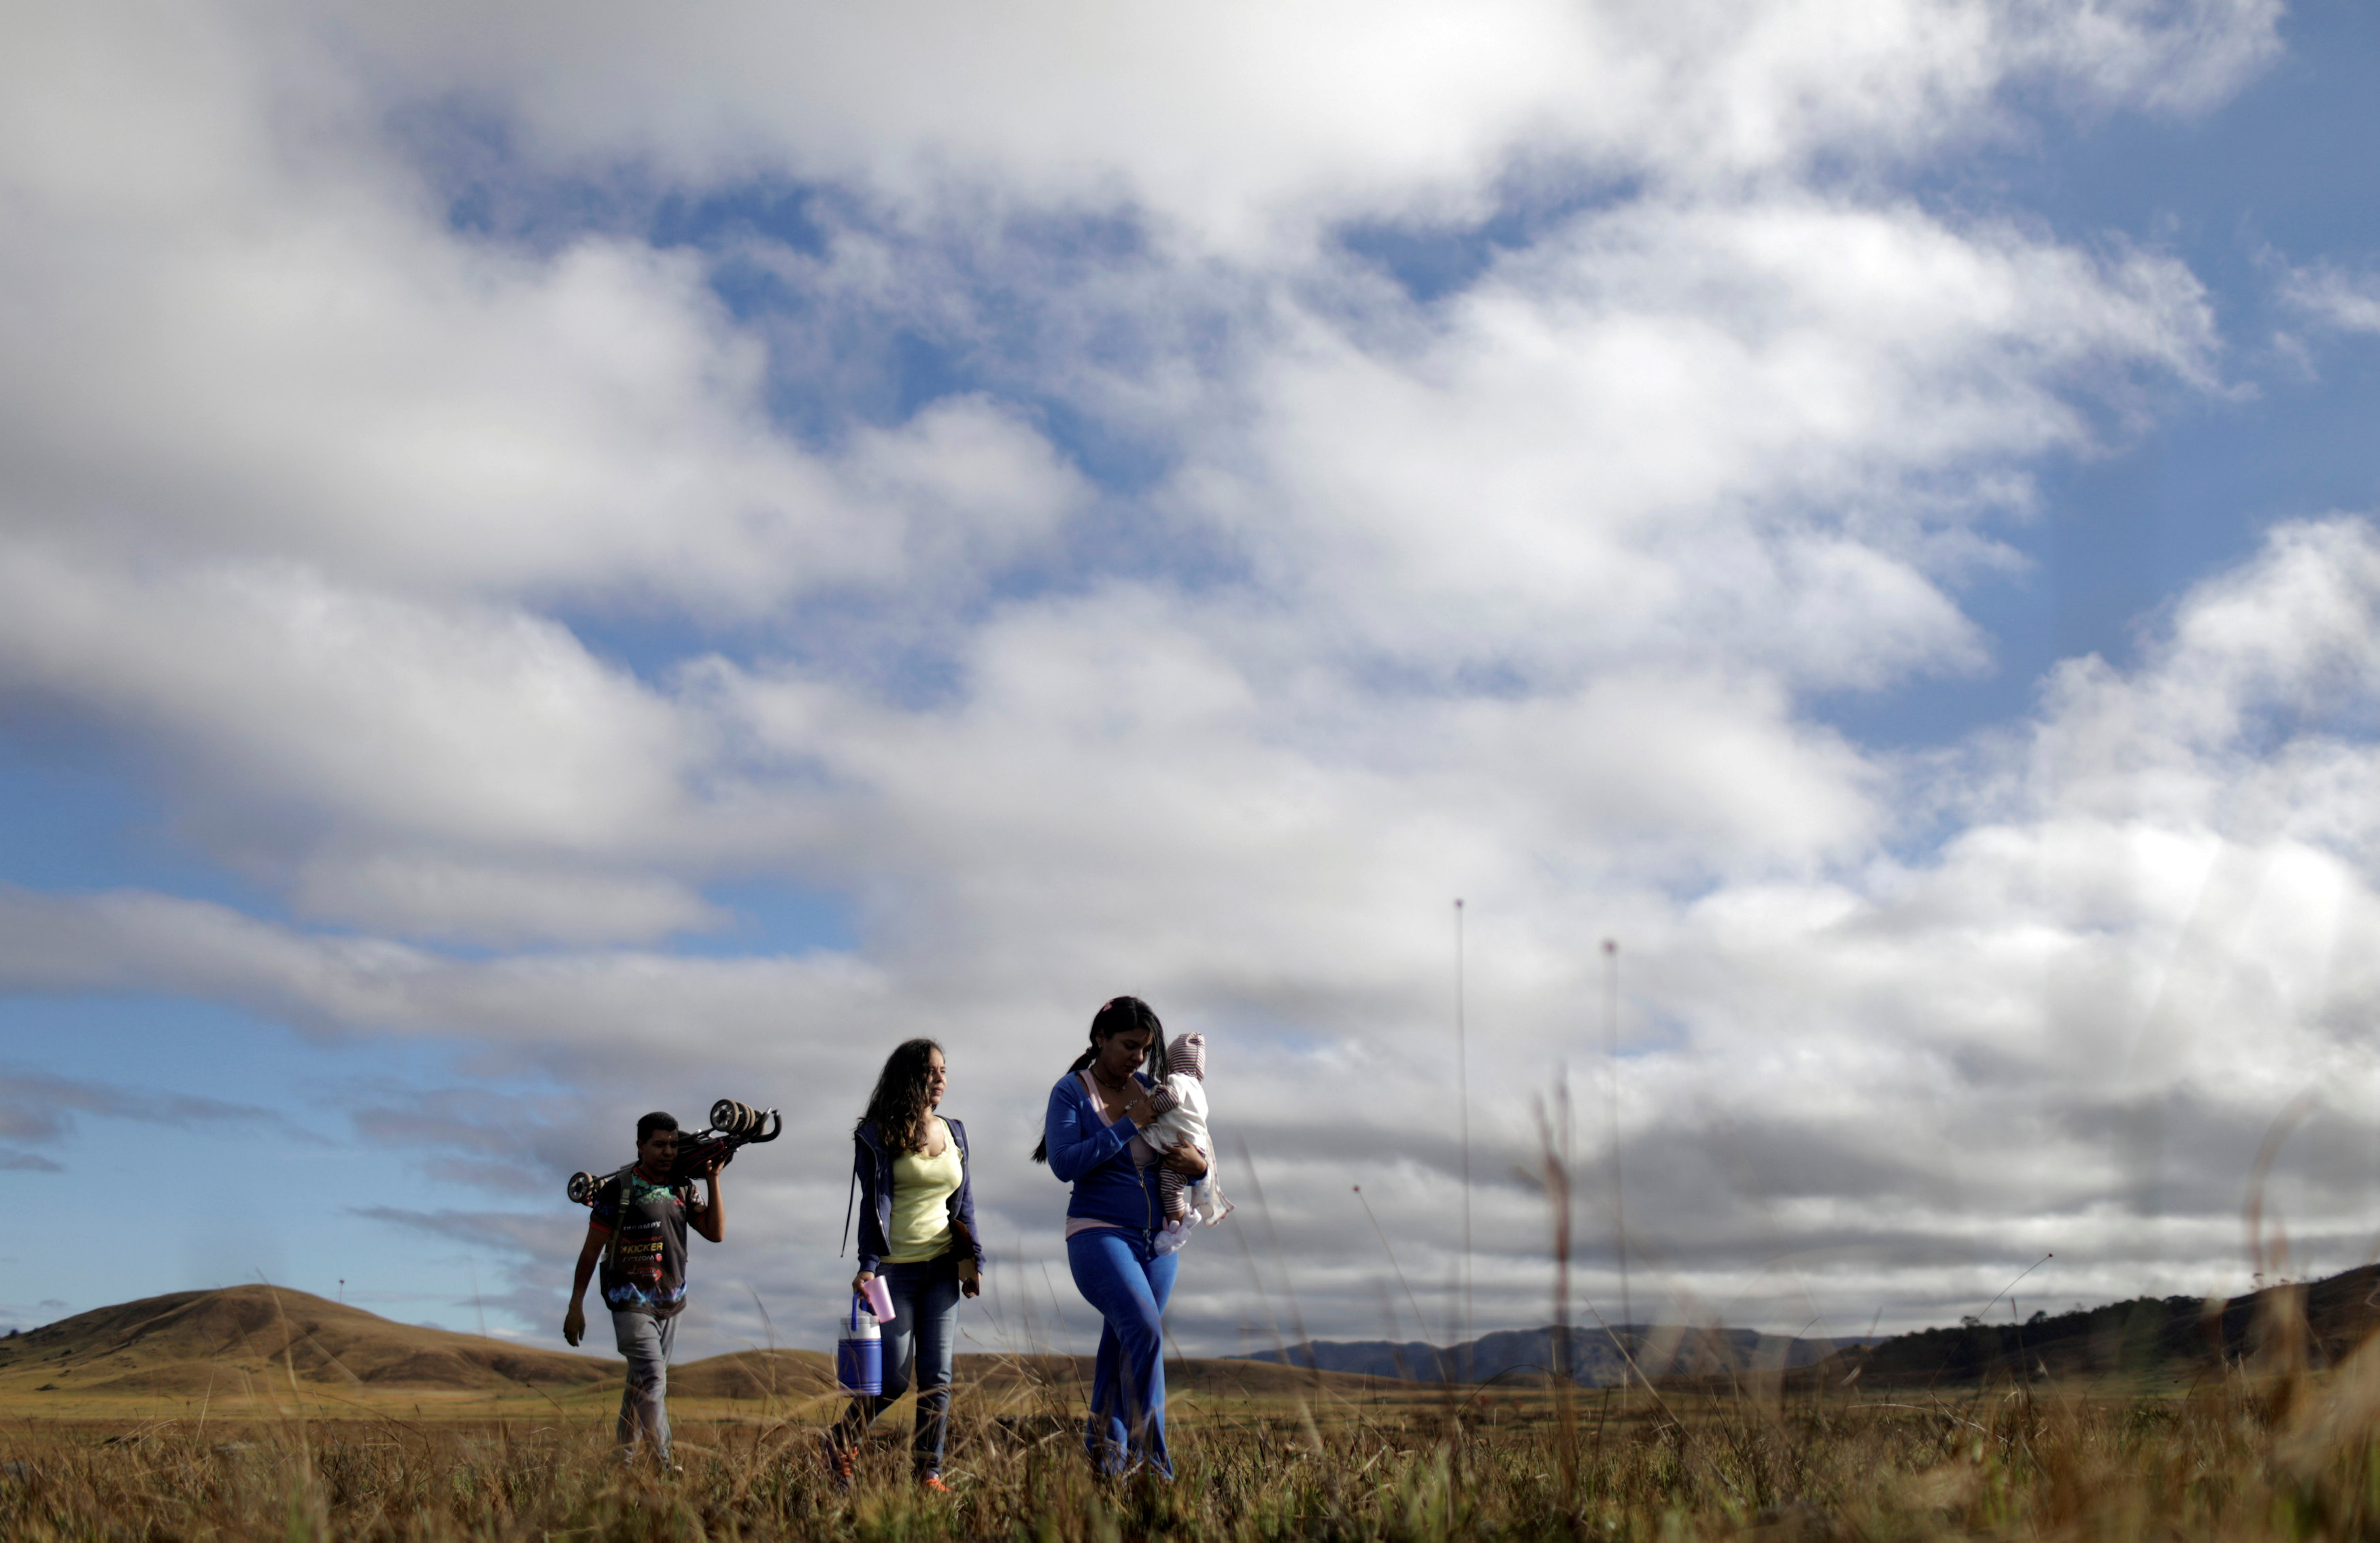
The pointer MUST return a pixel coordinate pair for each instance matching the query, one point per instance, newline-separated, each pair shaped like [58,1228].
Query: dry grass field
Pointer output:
[2272,1445]
[2242,1462]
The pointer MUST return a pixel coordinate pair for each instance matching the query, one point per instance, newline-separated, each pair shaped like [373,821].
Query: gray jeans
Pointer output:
[646,1341]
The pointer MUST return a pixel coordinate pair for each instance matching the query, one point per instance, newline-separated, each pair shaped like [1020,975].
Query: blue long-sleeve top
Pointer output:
[871,1163]
[1090,1155]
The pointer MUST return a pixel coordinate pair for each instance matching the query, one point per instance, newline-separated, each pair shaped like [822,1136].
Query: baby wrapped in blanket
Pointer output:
[1180,1099]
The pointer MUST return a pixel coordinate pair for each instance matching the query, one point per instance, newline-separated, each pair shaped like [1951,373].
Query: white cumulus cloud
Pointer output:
[1079,554]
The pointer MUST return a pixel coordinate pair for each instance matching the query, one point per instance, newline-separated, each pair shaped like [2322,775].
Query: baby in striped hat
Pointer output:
[1180,1099]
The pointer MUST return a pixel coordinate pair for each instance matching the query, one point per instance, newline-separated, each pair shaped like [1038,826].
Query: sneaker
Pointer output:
[839,1461]
[932,1484]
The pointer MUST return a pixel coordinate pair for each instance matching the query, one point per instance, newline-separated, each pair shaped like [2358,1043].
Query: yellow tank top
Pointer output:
[922,1187]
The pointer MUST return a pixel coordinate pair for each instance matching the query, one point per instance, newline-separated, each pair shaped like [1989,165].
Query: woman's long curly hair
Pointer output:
[1116,1016]
[899,1104]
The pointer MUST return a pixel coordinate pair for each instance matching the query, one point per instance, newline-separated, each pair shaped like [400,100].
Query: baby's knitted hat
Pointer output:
[1187,1052]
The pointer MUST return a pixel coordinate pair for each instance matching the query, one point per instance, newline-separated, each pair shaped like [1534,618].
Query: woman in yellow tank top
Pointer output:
[917,1229]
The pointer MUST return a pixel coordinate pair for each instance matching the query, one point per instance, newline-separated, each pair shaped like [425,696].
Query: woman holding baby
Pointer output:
[1124,1219]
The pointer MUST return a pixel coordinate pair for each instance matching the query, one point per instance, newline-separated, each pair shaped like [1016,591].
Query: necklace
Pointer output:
[1118,1085]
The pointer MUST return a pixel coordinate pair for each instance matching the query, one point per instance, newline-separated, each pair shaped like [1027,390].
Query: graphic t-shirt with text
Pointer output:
[644,1268]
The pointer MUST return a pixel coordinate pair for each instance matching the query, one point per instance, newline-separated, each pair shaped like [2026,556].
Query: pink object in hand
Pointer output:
[879,1298]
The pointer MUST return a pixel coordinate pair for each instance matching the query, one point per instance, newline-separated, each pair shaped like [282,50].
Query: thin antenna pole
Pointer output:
[1463,1105]
[1619,1190]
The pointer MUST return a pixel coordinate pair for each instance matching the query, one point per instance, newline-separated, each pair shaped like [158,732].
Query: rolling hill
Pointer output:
[199,1343]
[1593,1355]
[2150,1338]
[188,1342]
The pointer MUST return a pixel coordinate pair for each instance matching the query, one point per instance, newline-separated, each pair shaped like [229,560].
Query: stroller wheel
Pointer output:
[730,1118]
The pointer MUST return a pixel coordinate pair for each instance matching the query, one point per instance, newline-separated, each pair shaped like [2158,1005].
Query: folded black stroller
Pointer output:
[732,1126]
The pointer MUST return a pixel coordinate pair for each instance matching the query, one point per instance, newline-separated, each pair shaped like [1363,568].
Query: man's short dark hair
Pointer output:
[656,1121]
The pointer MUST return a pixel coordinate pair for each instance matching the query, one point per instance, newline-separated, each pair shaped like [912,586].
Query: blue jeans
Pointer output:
[1122,1275]
[646,1342]
[923,1328]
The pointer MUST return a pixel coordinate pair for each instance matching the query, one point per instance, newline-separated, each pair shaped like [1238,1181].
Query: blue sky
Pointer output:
[557,566]
[2267,180]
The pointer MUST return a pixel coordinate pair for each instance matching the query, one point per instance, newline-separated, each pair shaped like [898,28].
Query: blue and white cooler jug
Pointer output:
[859,1350]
